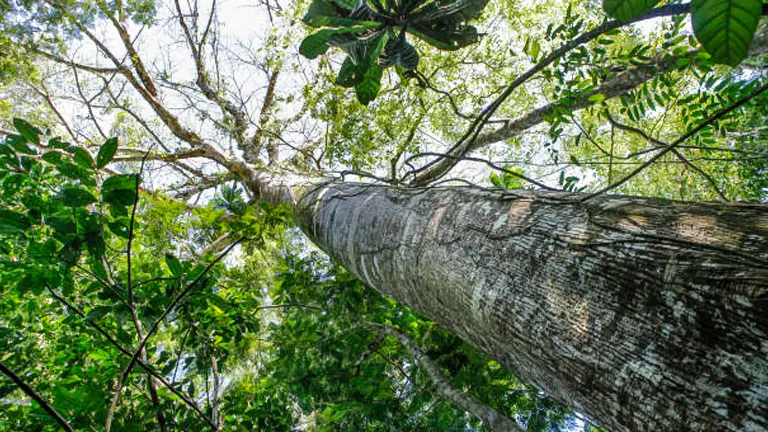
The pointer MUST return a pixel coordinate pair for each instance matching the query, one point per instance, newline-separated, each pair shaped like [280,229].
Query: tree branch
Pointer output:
[185,398]
[493,419]
[138,65]
[36,397]
[717,116]
[155,325]
[202,81]
[677,154]
[618,85]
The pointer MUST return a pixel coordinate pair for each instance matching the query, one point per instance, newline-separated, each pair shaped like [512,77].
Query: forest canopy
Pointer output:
[165,166]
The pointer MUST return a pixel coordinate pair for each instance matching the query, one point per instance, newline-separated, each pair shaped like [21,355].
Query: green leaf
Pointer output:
[52,157]
[495,180]
[94,240]
[320,9]
[323,13]
[447,40]
[57,143]
[625,10]
[346,4]
[76,197]
[120,189]
[70,253]
[19,144]
[401,53]
[319,42]
[13,183]
[367,89]
[97,313]
[99,355]
[81,156]
[106,152]
[12,222]
[596,98]
[448,12]
[26,130]
[119,227]
[174,265]
[64,226]
[75,172]
[726,27]
[349,74]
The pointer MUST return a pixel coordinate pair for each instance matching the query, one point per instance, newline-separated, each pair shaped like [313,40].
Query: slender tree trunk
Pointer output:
[644,314]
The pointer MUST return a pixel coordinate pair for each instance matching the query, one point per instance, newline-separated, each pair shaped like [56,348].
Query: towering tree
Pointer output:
[642,313]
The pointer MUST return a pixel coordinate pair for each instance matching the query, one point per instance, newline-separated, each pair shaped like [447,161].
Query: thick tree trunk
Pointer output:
[645,314]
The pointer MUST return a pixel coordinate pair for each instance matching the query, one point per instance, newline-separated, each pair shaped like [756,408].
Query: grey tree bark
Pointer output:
[644,314]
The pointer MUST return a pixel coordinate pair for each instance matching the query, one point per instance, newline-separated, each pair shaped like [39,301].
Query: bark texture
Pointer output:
[645,314]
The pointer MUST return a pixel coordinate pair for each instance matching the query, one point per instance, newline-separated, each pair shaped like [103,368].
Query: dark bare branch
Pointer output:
[35,396]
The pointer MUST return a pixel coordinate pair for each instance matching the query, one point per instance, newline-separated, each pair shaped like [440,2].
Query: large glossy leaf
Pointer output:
[27,130]
[364,12]
[369,86]
[446,40]
[346,4]
[726,27]
[323,8]
[625,10]
[448,13]
[120,189]
[12,222]
[372,33]
[319,42]
[399,52]
[106,152]
[350,74]
[323,13]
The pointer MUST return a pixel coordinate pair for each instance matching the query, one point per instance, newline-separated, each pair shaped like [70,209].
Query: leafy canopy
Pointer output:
[373,34]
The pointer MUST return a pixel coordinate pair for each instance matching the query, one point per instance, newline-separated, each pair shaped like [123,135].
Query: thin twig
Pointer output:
[187,400]
[156,324]
[717,116]
[675,151]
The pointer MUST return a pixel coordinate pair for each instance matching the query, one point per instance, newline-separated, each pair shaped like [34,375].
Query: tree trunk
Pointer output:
[644,314]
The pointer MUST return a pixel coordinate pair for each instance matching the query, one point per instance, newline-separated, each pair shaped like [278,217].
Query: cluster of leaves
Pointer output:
[724,27]
[71,305]
[63,212]
[373,34]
